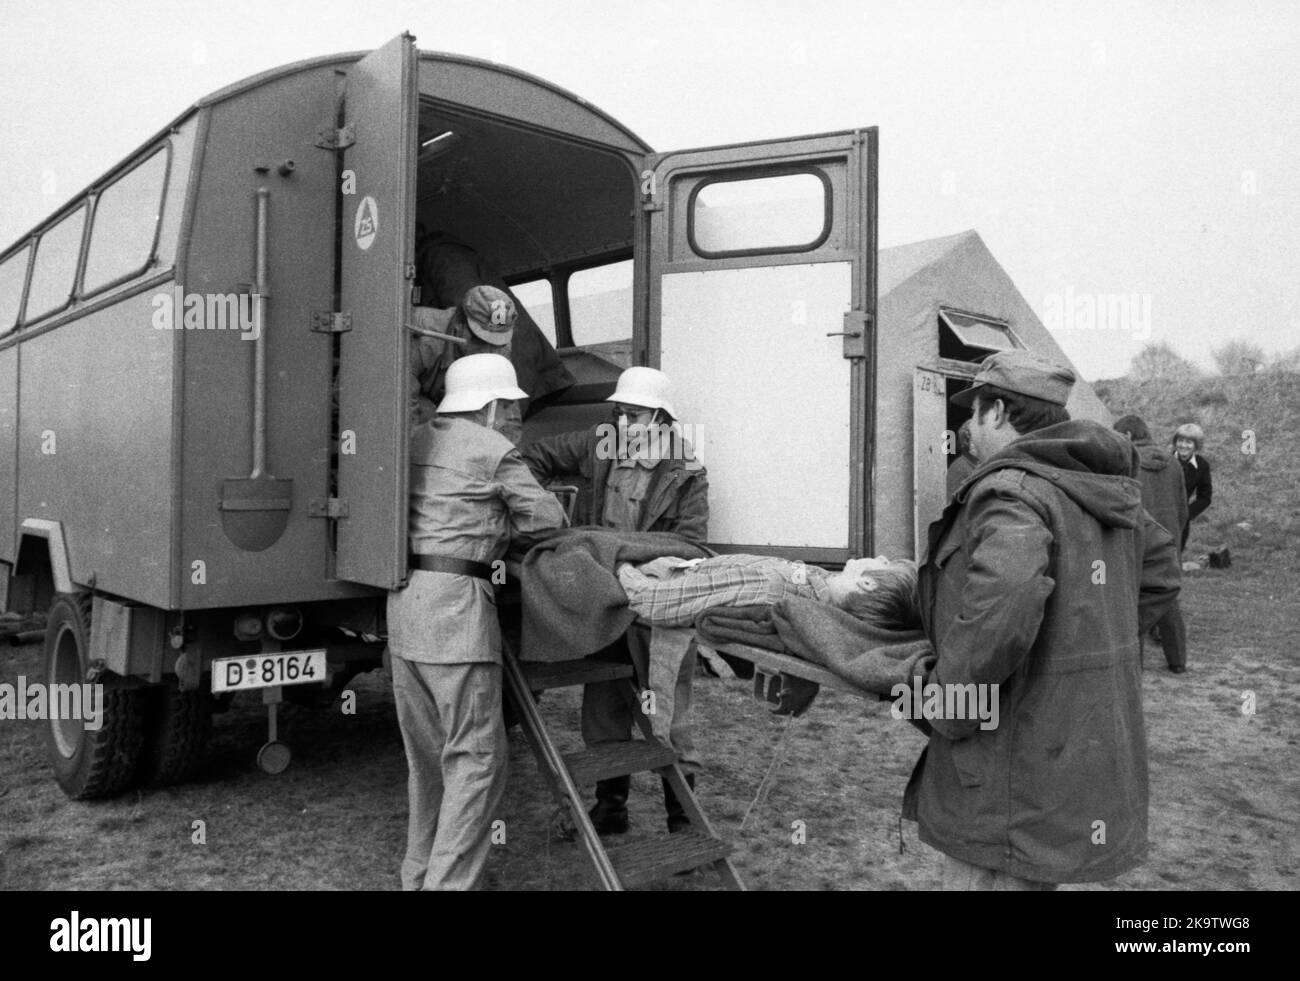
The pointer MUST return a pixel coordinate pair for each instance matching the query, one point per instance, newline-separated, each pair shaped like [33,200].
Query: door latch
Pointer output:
[854,333]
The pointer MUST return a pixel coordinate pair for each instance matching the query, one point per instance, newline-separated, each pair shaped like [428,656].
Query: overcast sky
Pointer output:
[1145,150]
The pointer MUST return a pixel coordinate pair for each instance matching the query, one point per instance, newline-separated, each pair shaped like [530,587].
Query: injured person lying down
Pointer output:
[673,592]
[583,588]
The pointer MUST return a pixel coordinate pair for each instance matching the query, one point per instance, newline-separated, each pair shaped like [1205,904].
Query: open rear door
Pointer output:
[378,232]
[760,295]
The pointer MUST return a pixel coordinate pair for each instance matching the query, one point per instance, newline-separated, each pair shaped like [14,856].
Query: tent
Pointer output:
[943,305]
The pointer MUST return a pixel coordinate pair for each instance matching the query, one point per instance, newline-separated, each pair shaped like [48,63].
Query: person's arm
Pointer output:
[564,455]
[690,518]
[1161,576]
[428,359]
[532,508]
[1204,488]
[1004,595]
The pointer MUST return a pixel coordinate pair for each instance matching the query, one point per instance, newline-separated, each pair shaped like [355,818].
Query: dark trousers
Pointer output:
[1173,637]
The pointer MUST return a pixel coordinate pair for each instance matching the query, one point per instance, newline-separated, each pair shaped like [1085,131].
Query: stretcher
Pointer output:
[786,683]
[773,663]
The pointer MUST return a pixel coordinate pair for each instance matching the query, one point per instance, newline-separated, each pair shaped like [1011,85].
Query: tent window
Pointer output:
[13,271]
[970,337]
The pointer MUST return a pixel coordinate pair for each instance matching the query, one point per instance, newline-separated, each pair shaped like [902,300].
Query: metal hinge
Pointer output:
[330,138]
[329,322]
[330,507]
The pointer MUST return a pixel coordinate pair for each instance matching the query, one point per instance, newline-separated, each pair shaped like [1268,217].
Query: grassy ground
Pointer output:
[1224,785]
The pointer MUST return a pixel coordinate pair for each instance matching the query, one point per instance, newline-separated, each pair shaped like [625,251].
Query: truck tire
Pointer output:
[177,724]
[89,763]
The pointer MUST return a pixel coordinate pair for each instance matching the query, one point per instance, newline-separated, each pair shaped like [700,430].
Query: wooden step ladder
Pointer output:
[634,862]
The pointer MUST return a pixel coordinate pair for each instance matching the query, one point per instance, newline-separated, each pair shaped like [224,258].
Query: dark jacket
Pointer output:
[677,500]
[1196,481]
[1162,486]
[1039,577]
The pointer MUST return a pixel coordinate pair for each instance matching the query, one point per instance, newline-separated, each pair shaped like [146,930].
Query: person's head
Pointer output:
[1014,393]
[477,385]
[878,590]
[1188,439]
[644,396]
[1134,428]
[490,315]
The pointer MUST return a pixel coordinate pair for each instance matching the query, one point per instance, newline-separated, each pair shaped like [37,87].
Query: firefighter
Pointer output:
[471,495]
[646,484]
[484,320]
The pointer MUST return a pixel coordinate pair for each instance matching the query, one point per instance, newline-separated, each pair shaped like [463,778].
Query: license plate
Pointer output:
[268,670]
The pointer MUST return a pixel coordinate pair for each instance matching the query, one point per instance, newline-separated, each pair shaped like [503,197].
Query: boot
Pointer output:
[610,813]
[677,819]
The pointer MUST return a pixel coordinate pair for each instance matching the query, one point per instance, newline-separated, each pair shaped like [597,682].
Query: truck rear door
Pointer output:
[759,292]
[377,217]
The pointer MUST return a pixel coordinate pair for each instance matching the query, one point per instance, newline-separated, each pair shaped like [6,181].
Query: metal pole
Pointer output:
[259,344]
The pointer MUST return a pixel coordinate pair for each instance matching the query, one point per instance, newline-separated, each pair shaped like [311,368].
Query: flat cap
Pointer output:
[1021,372]
[490,314]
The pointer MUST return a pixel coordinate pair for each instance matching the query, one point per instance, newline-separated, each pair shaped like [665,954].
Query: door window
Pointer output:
[750,216]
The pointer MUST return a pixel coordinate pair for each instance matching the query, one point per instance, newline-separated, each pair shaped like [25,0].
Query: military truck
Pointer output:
[203,361]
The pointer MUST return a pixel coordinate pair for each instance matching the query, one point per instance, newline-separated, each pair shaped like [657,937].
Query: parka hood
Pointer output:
[1153,457]
[1092,465]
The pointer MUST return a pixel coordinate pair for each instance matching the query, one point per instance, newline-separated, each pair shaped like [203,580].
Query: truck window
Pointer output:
[536,297]
[56,267]
[755,215]
[125,225]
[12,272]
[600,305]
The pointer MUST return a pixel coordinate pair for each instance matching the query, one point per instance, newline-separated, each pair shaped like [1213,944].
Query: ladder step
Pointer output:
[542,675]
[617,760]
[651,859]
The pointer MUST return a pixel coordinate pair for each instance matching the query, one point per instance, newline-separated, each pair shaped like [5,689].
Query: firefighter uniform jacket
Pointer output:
[471,495]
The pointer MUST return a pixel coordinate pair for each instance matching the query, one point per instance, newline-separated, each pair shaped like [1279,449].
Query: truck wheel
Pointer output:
[177,724]
[89,762]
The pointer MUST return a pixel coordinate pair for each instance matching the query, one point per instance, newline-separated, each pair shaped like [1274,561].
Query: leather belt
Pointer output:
[452,565]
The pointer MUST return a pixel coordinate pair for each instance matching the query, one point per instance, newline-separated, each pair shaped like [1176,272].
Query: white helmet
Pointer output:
[476,379]
[646,387]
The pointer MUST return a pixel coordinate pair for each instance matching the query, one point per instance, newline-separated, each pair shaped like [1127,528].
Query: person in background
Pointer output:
[471,495]
[447,269]
[1188,440]
[637,484]
[483,322]
[1165,499]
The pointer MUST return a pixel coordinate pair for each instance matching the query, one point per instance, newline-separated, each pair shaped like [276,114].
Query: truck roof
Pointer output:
[523,79]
